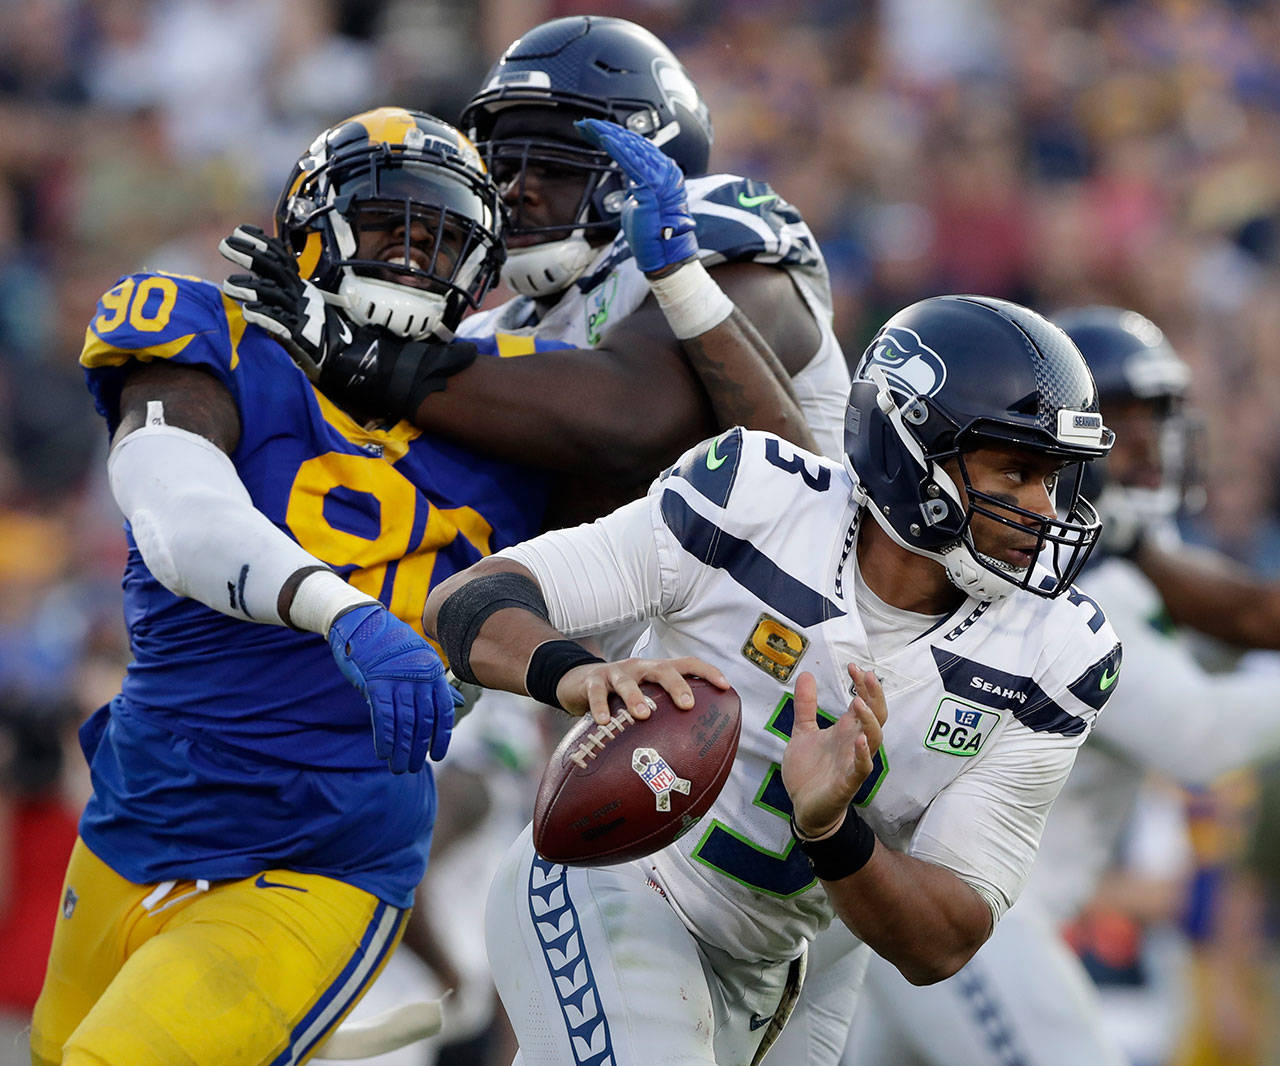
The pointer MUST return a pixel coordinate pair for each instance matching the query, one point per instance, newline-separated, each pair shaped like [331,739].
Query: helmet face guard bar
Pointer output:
[598,208]
[1062,545]
[403,190]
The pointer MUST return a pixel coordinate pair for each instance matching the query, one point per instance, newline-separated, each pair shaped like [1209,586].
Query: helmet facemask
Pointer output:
[439,219]
[545,257]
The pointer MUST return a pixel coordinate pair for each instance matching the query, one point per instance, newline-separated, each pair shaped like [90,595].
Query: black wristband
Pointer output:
[550,661]
[845,852]
[460,617]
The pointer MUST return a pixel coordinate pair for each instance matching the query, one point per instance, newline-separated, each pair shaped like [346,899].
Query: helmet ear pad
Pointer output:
[897,475]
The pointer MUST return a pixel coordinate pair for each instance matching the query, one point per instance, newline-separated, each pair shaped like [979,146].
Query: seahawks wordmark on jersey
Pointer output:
[743,555]
[738,220]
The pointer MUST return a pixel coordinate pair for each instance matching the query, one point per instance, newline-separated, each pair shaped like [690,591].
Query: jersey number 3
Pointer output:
[786,873]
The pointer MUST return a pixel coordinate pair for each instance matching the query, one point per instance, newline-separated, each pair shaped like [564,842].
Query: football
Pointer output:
[616,792]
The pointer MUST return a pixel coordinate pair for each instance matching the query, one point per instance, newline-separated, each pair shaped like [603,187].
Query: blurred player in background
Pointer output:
[1025,997]
[249,854]
[989,666]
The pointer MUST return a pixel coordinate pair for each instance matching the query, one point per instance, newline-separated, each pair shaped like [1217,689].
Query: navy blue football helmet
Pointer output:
[1132,362]
[952,374]
[584,66]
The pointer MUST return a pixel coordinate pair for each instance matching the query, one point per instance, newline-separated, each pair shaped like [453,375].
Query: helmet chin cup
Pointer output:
[411,313]
[547,268]
[973,579]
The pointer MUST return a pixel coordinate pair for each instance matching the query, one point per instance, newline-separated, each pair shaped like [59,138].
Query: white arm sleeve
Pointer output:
[600,575]
[985,826]
[200,535]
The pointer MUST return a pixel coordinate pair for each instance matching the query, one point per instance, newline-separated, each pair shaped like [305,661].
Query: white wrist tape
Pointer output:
[320,598]
[691,300]
[199,533]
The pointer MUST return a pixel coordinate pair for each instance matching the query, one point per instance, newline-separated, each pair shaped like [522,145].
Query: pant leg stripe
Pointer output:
[996,1029]
[378,938]
[556,922]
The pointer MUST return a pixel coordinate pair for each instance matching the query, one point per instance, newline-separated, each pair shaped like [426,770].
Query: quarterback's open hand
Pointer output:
[403,679]
[586,689]
[277,299]
[655,216]
[823,769]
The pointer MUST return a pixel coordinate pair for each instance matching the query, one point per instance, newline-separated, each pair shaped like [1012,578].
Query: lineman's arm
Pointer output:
[628,408]
[200,535]
[916,914]
[1209,592]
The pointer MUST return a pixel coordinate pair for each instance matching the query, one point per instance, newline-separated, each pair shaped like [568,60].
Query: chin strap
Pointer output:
[969,576]
[547,268]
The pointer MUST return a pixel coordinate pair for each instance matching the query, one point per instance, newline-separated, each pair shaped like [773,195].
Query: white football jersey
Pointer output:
[1169,715]
[738,219]
[743,554]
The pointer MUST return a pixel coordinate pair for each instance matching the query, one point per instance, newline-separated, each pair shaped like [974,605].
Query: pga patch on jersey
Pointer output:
[661,779]
[960,728]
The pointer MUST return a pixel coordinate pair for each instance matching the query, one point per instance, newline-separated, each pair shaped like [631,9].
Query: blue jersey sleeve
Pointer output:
[158,316]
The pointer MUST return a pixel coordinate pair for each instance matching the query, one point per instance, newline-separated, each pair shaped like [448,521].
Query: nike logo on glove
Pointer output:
[755,201]
[1108,679]
[757,1020]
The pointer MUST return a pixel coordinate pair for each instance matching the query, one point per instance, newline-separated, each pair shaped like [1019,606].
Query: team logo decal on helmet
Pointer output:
[393,215]
[952,374]
[908,363]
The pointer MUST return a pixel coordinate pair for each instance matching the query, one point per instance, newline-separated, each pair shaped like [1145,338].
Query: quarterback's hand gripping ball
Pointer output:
[623,790]
[403,679]
[655,216]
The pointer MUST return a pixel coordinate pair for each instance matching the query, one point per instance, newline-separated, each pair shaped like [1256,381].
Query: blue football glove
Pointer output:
[403,679]
[655,216]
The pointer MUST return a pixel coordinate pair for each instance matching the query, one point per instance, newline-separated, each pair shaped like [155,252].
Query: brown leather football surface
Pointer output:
[616,792]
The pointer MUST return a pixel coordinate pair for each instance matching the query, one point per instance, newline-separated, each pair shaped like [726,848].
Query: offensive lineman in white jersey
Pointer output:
[920,809]
[575,273]
[1025,998]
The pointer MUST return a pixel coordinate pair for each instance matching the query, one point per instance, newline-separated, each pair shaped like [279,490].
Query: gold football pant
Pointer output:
[186,974]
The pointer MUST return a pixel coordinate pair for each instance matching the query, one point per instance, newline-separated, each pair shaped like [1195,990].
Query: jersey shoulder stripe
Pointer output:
[738,218]
[1004,691]
[746,564]
[1095,685]
[712,466]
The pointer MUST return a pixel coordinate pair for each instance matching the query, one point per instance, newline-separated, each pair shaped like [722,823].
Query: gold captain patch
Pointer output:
[774,647]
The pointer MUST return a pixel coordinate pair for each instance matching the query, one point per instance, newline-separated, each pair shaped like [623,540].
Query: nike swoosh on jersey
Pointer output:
[1107,680]
[755,201]
[262,882]
[714,462]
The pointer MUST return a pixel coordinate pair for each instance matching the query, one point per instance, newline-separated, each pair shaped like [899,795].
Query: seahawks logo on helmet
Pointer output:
[910,365]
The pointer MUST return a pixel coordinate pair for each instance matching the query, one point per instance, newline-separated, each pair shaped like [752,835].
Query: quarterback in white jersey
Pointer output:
[1025,998]
[757,565]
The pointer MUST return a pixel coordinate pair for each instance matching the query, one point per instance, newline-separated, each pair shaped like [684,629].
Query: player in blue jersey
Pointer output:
[250,851]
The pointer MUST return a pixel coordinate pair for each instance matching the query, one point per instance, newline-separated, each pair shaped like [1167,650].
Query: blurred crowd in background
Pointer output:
[1056,152]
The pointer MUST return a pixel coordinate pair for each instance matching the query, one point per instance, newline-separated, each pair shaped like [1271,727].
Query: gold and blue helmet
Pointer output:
[393,212]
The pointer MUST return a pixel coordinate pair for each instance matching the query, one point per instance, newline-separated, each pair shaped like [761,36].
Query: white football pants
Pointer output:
[595,968]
